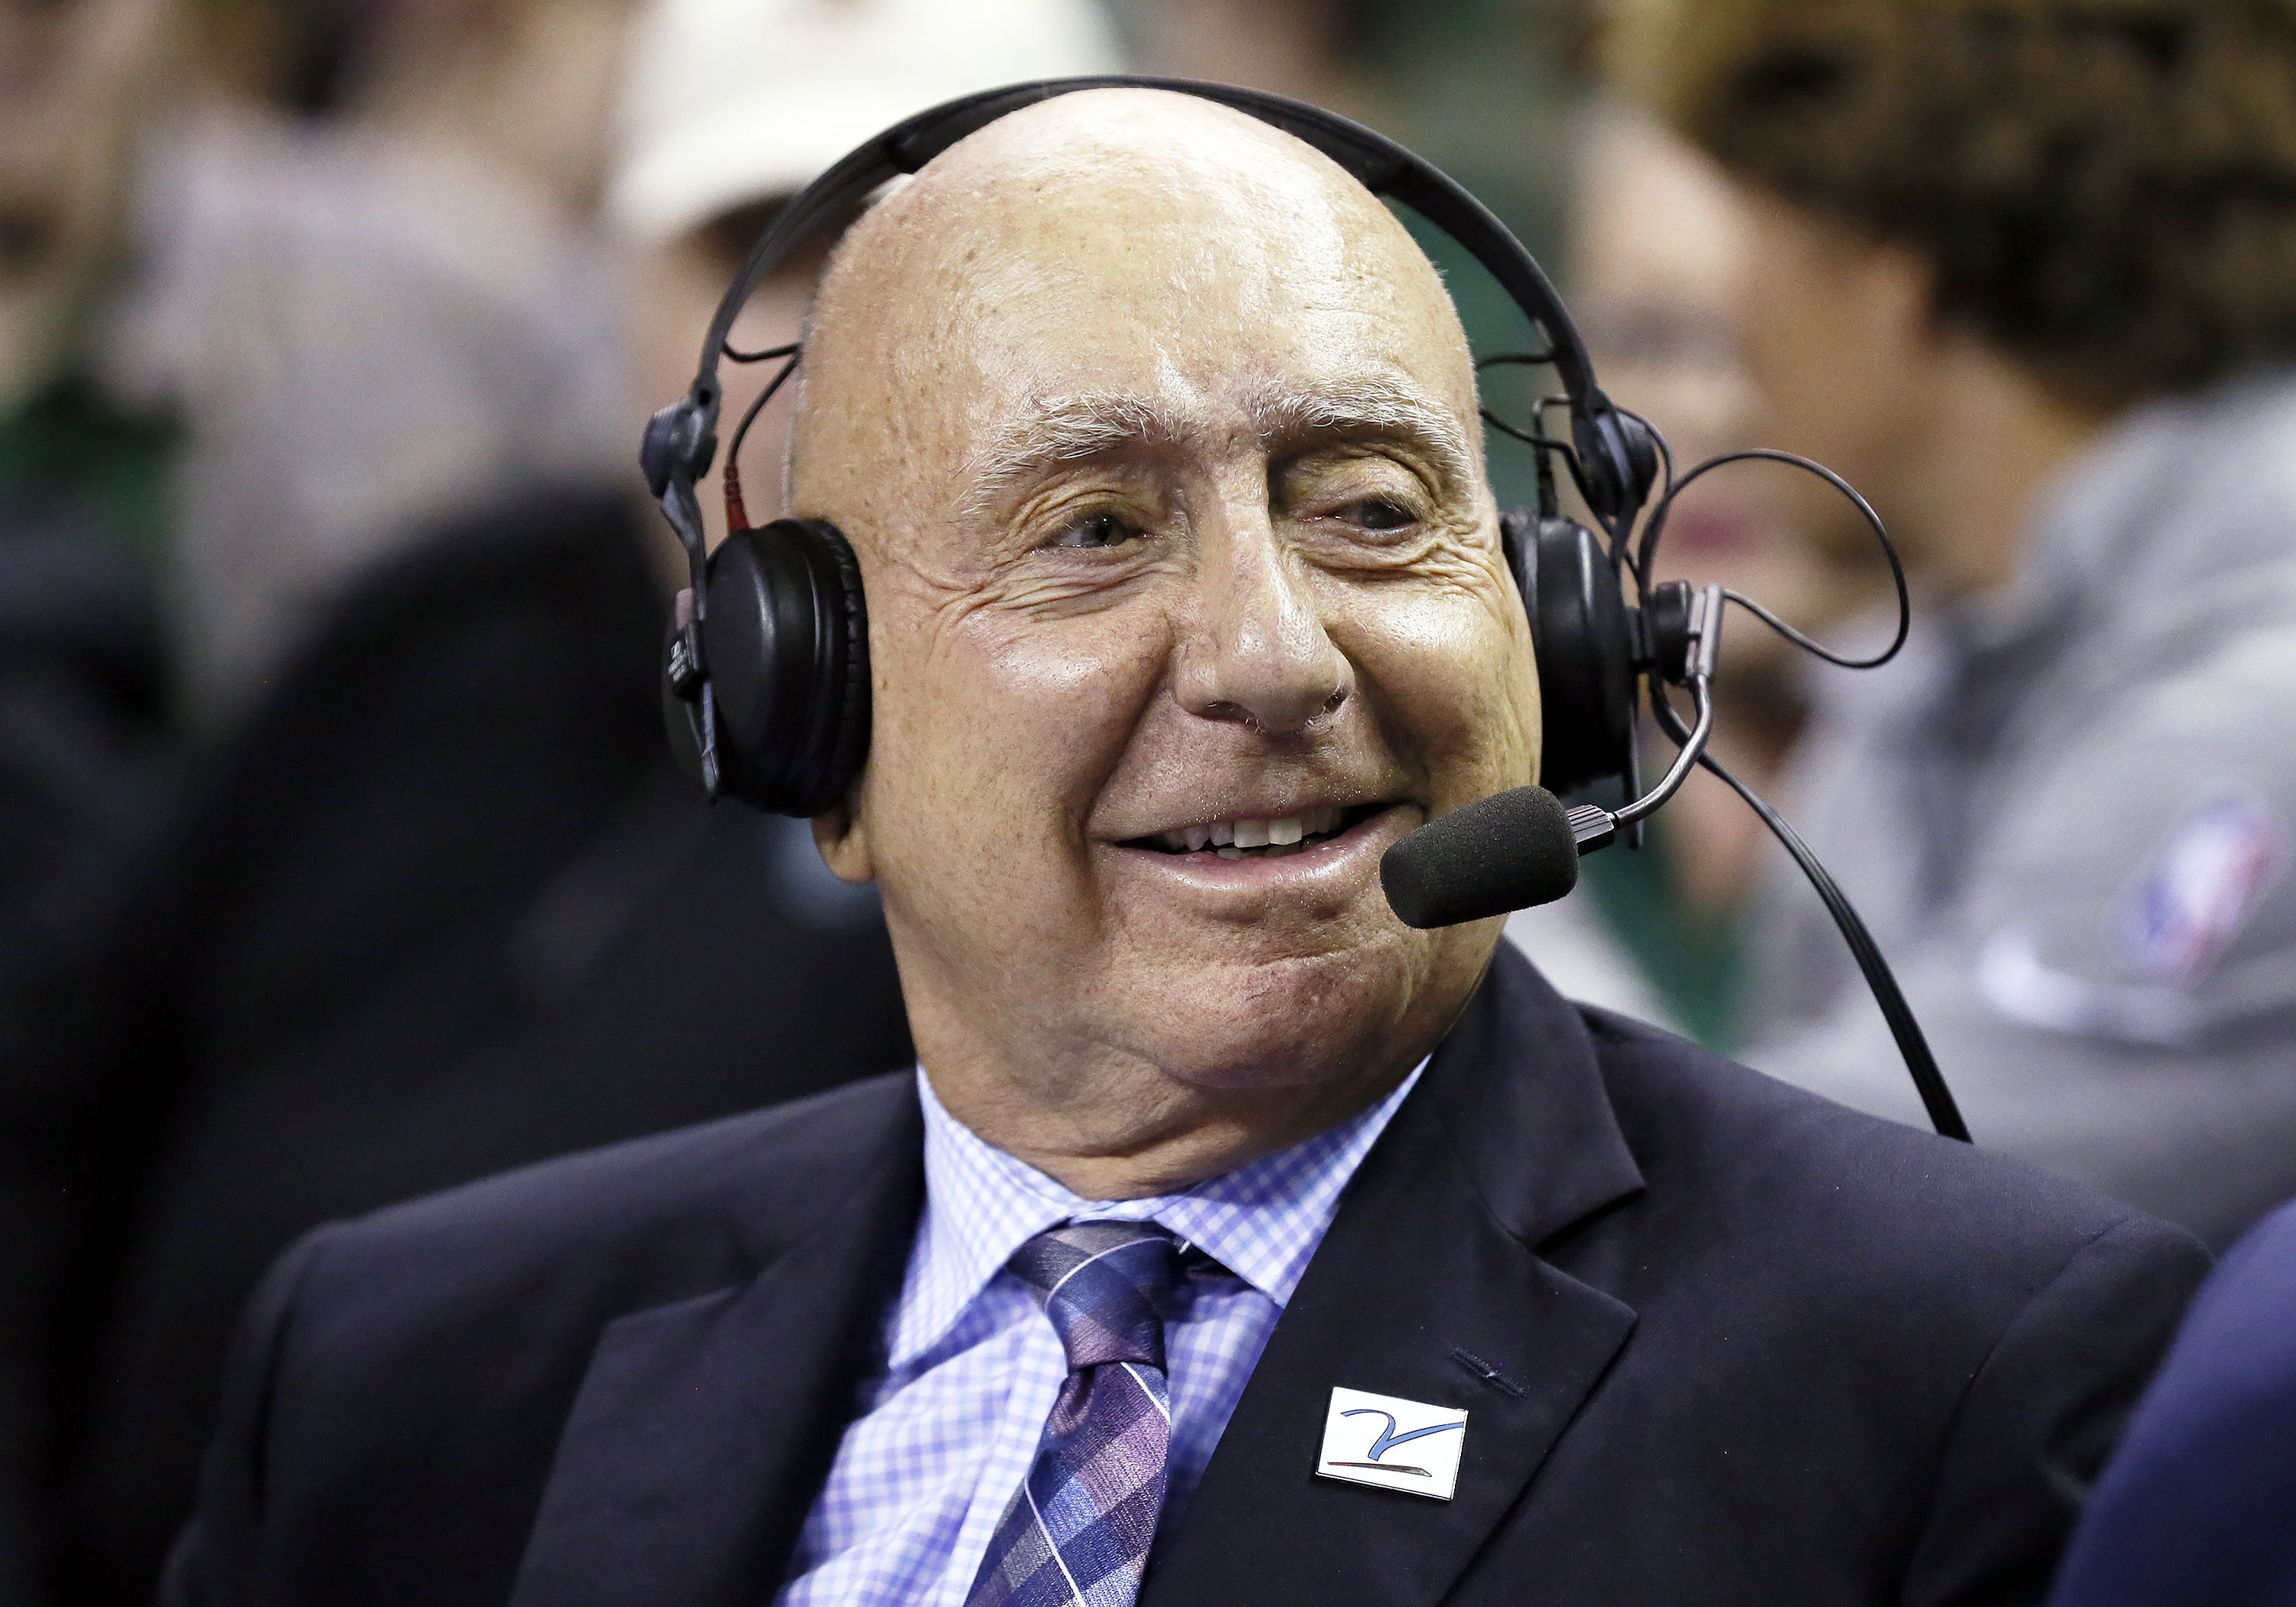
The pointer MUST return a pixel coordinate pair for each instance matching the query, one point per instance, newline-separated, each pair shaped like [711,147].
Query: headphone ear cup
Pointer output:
[1579,633]
[849,739]
[786,639]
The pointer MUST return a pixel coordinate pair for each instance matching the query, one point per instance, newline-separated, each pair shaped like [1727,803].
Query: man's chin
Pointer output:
[1279,1021]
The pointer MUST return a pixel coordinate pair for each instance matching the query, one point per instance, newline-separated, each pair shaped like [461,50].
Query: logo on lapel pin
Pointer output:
[1392,1443]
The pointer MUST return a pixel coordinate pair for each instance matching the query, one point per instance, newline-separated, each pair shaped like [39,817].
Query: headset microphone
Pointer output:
[1508,852]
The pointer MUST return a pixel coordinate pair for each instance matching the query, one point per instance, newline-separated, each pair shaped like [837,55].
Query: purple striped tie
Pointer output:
[1076,1531]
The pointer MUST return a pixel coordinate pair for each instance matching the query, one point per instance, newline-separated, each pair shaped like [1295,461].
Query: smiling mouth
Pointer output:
[1260,839]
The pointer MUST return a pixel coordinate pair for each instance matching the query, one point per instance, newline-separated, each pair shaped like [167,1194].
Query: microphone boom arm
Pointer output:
[1700,649]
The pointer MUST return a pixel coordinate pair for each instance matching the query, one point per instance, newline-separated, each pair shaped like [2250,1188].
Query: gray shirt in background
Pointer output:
[2065,813]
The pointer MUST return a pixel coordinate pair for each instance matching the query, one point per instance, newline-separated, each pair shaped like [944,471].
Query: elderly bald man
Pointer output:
[1234,1242]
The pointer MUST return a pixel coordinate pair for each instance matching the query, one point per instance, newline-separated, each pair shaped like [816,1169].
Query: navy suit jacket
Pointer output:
[1730,1344]
[2198,1508]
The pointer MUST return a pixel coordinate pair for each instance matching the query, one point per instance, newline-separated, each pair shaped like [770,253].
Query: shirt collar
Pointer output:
[1262,1221]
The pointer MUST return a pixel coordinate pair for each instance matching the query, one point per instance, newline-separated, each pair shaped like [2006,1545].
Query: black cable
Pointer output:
[1656,528]
[1535,439]
[1937,1099]
[1539,443]
[768,356]
[1805,644]
[1614,530]
[742,430]
[1528,359]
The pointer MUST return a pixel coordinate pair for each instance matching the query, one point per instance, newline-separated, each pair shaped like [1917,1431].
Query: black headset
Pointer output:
[766,682]
[767,678]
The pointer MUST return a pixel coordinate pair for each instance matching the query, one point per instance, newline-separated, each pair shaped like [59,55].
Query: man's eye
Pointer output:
[1378,514]
[1094,531]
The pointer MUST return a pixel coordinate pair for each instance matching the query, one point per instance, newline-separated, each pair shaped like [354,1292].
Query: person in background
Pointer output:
[366,324]
[82,509]
[2192,1511]
[2026,274]
[436,903]
[83,477]
[1657,252]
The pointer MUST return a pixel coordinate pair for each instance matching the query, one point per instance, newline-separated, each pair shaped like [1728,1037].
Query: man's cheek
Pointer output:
[1481,728]
[1456,669]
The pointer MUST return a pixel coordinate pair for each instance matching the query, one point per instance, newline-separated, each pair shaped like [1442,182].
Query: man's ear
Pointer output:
[843,840]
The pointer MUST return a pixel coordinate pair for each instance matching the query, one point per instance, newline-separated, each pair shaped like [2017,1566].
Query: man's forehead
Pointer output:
[1209,223]
[1129,262]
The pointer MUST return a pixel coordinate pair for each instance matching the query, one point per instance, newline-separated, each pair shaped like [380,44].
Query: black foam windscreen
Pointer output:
[1506,853]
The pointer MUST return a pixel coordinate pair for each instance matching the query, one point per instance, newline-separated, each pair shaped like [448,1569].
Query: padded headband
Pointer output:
[1378,163]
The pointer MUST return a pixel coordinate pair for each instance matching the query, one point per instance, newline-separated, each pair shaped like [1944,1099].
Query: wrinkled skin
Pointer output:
[1156,437]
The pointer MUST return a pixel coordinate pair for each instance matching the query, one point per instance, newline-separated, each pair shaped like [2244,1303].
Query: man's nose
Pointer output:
[1256,650]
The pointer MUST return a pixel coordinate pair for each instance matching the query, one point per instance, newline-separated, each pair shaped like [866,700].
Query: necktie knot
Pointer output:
[1106,1286]
[1077,1532]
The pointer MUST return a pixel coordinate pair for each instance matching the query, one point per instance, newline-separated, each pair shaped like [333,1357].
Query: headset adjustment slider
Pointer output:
[685,669]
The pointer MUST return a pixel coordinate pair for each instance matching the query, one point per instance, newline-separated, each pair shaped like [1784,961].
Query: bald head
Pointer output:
[980,315]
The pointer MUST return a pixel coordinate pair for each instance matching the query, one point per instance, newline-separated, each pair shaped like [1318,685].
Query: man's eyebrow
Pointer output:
[1367,407]
[1060,430]
[1068,428]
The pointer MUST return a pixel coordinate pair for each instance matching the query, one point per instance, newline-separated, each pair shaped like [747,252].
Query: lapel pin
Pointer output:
[1392,1443]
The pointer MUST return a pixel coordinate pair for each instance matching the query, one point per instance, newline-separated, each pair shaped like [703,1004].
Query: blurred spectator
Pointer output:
[364,336]
[2193,1509]
[2027,274]
[732,108]
[212,402]
[435,904]
[82,511]
[82,479]
[1657,257]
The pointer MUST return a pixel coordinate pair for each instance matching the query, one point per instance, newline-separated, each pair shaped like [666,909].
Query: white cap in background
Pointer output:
[728,102]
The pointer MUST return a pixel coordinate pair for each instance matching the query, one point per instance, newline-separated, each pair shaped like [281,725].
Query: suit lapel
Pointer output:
[704,1430]
[1427,1283]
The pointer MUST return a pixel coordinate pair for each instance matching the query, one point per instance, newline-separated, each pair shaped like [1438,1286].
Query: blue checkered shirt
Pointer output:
[950,1425]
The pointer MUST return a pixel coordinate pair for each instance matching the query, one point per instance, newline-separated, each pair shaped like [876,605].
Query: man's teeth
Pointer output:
[1230,837]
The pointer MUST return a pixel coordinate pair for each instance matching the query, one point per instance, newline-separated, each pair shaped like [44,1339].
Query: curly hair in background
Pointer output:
[2106,189]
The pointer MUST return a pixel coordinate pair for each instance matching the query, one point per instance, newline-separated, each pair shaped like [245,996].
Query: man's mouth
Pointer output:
[1260,838]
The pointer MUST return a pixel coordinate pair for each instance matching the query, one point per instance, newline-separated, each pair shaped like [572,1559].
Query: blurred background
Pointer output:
[340,855]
